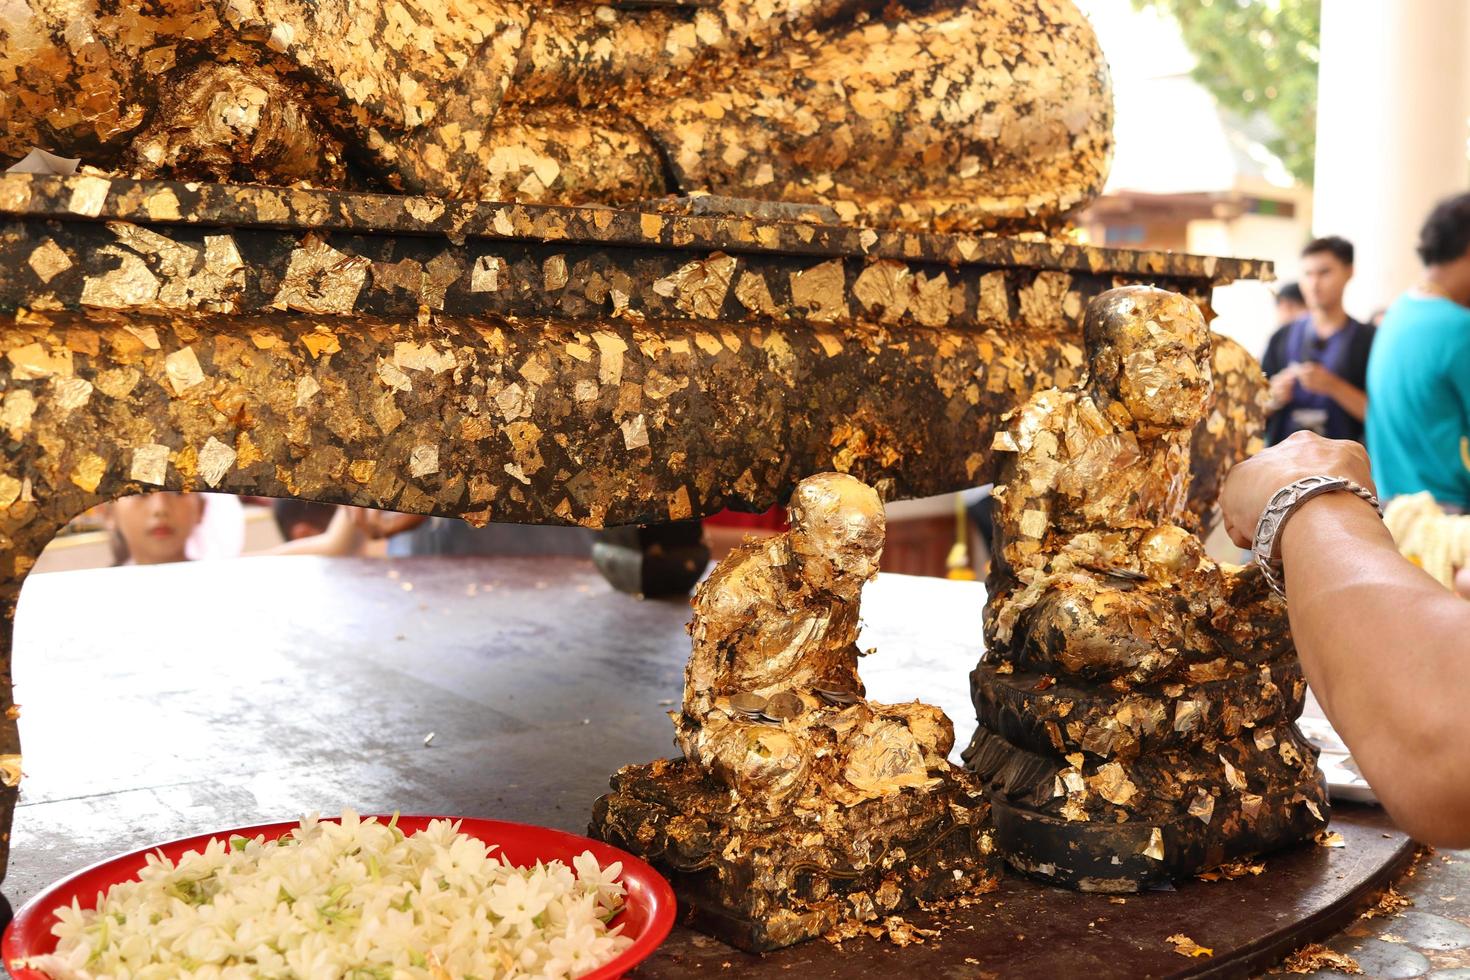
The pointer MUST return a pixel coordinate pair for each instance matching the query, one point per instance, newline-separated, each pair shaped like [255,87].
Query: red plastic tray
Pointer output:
[647,917]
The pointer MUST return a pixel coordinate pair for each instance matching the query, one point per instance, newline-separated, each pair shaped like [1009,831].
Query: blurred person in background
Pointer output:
[1289,304]
[1318,363]
[1419,374]
[158,528]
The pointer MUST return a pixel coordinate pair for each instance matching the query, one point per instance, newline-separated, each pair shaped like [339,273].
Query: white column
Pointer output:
[1393,119]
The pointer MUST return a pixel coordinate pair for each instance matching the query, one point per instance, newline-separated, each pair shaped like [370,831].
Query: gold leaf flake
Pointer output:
[320,279]
[755,295]
[485,277]
[10,489]
[306,387]
[1264,739]
[554,272]
[931,300]
[1202,806]
[1329,838]
[512,402]
[150,464]
[1185,946]
[18,408]
[1233,776]
[610,365]
[247,453]
[699,288]
[821,290]
[1315,811]
[1112,784]
[89,472]
[680,508]
[130,284]
[69,394]
[362,470]
[1314,957]
[87,195]
[994,307]
[423,460]
[1250,805]
[48,261]
[162,205]
[389,374]
[635,432]
[215,460]
[1155,847]
[321,341]
[147,336]
[10,770]
[183,370]
[118,383]
[386,413]
[422,357]
[34,361]
[885,288]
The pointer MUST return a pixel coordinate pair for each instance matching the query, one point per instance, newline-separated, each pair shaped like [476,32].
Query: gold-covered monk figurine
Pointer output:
[1100,573]
[799,807]
[956,114]
[1136,699]
[773,705]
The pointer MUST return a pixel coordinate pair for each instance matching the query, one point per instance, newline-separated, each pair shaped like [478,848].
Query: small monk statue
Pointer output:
[799,806]
[1100,572]
[954,114]
[1136,699]
[773,705]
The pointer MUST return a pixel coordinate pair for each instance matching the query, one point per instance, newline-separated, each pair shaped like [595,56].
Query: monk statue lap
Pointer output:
[955,114]
[1136,699]
[822,807]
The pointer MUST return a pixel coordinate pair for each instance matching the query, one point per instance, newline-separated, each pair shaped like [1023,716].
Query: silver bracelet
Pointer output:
[1282,505]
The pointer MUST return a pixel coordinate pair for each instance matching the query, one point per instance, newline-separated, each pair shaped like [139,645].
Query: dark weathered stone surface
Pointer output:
[191,698]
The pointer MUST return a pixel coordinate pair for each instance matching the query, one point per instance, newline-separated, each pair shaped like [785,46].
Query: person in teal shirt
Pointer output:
[1418,422]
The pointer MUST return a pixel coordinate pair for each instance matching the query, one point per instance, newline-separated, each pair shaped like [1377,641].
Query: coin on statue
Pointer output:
[835,697]
[785,706]
[747,703]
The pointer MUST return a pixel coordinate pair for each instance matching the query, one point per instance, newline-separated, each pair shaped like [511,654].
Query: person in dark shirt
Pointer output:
[1318,363]
[1289,304]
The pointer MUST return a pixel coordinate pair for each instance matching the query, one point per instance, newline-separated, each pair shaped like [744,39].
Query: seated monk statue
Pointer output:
[773,705]
[1099,572]
[929,114]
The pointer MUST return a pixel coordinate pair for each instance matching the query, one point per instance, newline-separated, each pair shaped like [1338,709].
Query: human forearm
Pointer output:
[1350,399]
[1383,646]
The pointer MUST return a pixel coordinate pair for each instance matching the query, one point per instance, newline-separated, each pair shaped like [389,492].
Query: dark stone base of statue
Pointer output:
[652,559]
[760,881]
[1119,793]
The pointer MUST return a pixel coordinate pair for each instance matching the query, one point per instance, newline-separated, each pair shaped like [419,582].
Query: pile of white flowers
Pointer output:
[345,901]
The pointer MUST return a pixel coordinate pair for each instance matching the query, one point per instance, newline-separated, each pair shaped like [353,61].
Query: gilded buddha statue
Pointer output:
[954,114]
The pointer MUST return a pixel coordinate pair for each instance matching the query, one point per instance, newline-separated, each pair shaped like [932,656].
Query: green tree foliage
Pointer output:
[1258,57]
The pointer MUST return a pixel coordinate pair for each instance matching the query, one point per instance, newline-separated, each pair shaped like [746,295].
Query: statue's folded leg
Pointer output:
[1102,634]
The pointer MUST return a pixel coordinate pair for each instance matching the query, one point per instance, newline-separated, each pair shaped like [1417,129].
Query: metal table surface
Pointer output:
[165,701]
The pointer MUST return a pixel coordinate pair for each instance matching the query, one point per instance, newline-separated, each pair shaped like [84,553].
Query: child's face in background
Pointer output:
[156,525]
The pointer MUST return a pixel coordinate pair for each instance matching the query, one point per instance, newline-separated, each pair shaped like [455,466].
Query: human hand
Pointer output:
[1281,385]
[1317,379]
[377,524]
[1250,484]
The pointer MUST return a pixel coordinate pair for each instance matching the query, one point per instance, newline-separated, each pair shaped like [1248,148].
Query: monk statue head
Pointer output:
[1149,350]
[836,533]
